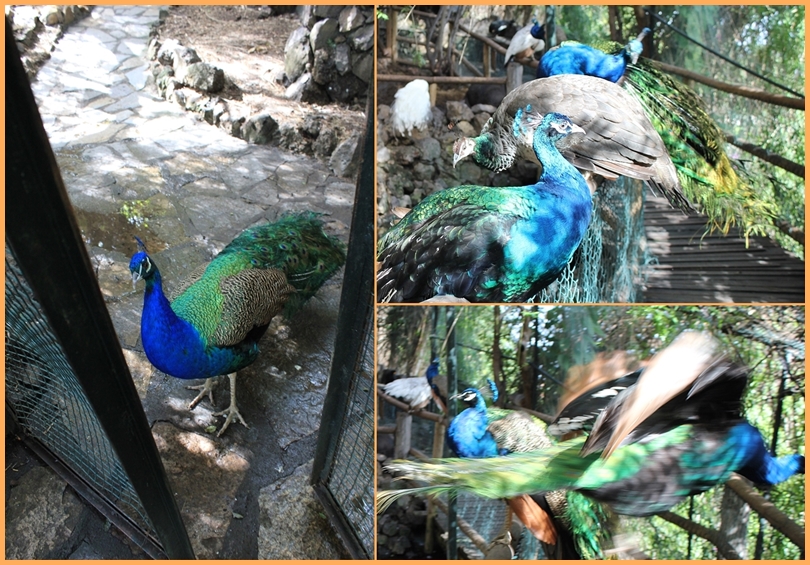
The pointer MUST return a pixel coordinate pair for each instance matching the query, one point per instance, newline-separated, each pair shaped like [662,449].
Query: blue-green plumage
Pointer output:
[490,243]
[213,325]
[693,439]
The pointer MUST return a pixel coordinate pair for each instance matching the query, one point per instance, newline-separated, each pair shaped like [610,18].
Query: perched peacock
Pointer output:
[213,324]
[568,525]
[578,59]
[525,42]
[490,244]
[692,138]
[620,139]
[678,431]
[417,392]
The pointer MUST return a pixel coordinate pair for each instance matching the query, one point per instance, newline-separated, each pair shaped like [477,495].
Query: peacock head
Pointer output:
[141,265]
[469,396]
[463,148]
[635,47]
[556,126]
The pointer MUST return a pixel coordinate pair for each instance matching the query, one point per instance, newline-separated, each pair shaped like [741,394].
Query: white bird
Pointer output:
[411,108]
[526,41]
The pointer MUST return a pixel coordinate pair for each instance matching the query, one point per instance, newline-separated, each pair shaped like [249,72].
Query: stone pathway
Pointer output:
[134,164]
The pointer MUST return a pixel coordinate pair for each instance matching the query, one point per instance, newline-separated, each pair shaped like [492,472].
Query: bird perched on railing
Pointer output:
[619,138]
[417,392]
[579,59]
[503,28]
[411,108]
[490,244]
[678,431]
[213,324]
[692,138]
[525,42]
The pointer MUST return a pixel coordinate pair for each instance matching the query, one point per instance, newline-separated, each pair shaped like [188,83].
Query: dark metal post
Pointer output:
[46,241]
[452,385]
[356,300]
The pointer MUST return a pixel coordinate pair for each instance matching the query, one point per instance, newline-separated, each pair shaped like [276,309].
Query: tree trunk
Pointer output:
[734,514]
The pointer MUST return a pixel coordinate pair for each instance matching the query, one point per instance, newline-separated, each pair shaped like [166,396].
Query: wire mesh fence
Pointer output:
[50,406]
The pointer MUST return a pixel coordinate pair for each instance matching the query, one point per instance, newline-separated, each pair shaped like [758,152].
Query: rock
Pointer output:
[296,54]
[363,38]
[292,524]
[307,15]
[483,108]
[363,66]
[175,55]
[480,119]
[466,129]
[383,113]
[53,16]
[326,143]
[405,155]
[346,88]
[203,76]
[491,94]
[259,129]
[323,33]
[345,159]
[350,18]
[323,68]
[342,63]
[327,11]
[423,171]
[296,90]
[430,148]
[42,514]
[458,111]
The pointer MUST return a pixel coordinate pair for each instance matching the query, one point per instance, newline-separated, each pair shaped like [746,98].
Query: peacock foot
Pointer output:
[232,411]
[233,414]
[206,388]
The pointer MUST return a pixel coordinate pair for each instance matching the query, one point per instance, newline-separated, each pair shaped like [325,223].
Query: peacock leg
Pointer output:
[232,411]
[207,388]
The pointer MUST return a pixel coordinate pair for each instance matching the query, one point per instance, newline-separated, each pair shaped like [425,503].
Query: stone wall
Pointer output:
[331,56]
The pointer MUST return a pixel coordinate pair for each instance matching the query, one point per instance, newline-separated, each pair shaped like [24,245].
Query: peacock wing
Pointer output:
[519,432]
[250,299]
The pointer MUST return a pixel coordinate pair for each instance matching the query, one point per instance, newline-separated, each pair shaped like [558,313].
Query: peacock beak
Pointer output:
[136,276]
[576,129]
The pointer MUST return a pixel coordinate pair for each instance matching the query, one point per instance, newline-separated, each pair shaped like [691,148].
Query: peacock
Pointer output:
[525,42]
[578,59]
[490,244]
[620,139]
[479,431]
[213,324]
[411,108]
[693,140]
[417,392]
[677,431]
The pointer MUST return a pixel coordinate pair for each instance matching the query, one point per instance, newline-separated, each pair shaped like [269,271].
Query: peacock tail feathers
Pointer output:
[589,522]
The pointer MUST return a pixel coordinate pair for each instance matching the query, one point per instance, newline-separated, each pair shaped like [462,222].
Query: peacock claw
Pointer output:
[206,388]
[233,413]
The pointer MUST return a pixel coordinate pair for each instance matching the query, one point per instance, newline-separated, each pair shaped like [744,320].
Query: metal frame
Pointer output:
[350,326]
[43,233]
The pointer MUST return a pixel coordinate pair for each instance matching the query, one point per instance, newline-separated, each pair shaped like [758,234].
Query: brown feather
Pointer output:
[539,523]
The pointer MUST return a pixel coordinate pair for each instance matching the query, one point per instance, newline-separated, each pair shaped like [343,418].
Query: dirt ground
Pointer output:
[247,42]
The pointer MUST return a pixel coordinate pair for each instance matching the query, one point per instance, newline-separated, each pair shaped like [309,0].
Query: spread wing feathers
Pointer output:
[415,391]
[534,517]
[669,373]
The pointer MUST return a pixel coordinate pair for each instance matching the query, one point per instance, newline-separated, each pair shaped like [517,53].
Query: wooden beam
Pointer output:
[402,406]
[746,91]
[443,80]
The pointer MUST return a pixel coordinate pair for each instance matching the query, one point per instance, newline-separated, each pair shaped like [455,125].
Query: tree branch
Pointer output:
[772,158]
[767,510]
[713,536]
[747,91]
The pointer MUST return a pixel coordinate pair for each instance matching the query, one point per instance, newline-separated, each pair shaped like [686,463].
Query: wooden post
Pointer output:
[433,88]
[438,450]
[402,441]
[487,60]
[514,76]
[391,33]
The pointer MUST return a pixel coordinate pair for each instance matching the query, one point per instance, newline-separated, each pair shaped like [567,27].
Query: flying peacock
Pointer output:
[692,138]
[490,244]
[213,324]
[676,432]
[568,525]
[620,139]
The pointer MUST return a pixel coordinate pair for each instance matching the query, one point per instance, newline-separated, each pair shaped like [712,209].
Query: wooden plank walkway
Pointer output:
[692,267]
